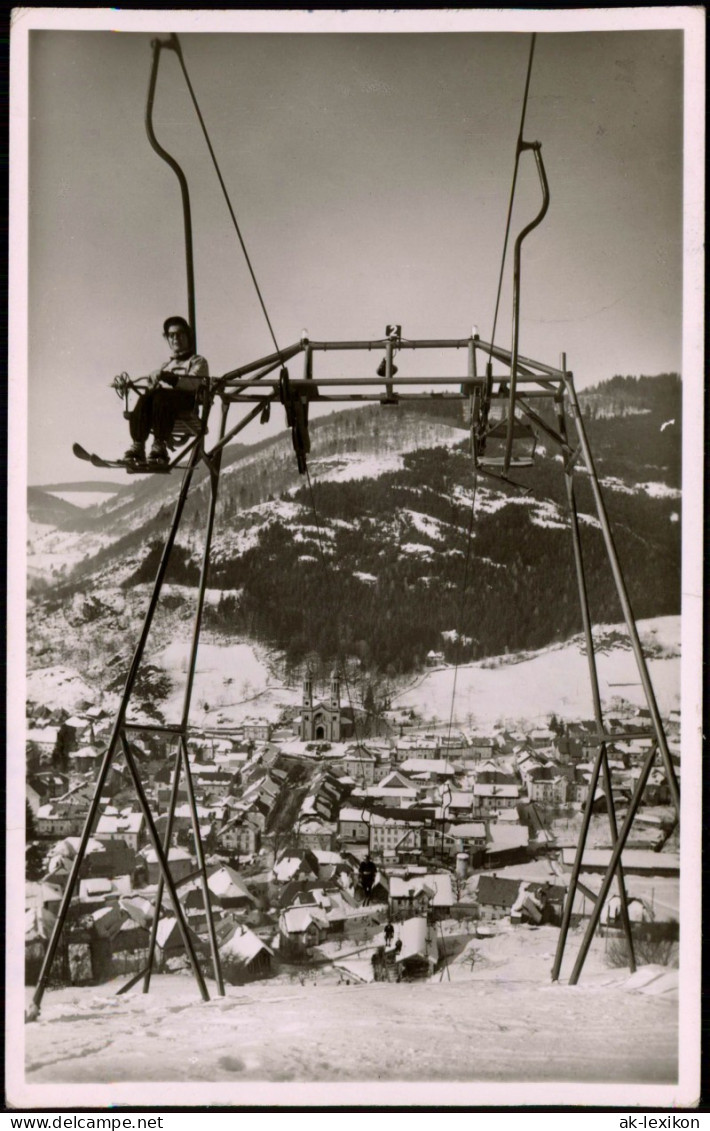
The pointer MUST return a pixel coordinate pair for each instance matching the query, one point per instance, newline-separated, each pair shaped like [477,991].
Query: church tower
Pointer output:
[307,707]
[321,722]
[335,689]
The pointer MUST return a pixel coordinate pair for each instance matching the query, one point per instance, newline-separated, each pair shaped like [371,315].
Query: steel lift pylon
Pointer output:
[498,444]
[256,384]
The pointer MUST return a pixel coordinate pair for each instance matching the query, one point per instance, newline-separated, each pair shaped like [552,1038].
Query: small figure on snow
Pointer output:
[157,409]
[389,934]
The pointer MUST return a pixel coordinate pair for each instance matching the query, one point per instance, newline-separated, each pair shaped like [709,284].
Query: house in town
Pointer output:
[240,835]
[230,889]
[298,865]
[416,745]
[395,837]
[409,896]
[507,844]
[470,837]
[354,826]
[637,862]
[180,861]
[479,747]
[357,763]
[546,786]
[496,896]
[244,957]
[419,894]
[53,821]
[431,769]
[84,760]
[316,834]
[489,799]
[127,826]
[459,806]
[257,730]
[300,930]
[169,945]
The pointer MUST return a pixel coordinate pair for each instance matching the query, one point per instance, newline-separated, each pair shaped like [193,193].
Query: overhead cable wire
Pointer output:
[512,193]
[469,540]
[358,741]
[178,51]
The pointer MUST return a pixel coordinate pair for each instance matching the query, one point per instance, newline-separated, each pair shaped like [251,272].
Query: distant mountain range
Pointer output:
[374,558]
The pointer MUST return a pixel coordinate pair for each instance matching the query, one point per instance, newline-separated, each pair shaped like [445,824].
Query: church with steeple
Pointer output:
[324,721]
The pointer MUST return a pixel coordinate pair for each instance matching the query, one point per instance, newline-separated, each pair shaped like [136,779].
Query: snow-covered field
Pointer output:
[496,1020]
[232,681]
[552,681]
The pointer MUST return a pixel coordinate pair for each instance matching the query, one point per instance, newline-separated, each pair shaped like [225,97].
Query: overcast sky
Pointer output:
[370,175]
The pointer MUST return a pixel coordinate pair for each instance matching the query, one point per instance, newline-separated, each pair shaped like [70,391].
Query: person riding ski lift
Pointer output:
[158,408]
[368,872]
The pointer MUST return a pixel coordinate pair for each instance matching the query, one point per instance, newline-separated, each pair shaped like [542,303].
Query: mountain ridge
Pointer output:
[368,558]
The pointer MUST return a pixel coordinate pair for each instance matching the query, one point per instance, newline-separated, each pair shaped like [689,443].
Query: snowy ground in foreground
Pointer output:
[501,1020]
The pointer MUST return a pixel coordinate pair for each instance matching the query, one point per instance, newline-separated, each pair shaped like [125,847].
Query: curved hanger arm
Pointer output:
[172,44]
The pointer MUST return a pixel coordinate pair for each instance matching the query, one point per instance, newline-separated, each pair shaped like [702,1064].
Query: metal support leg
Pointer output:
[214,465]
[576,868]
[623,900]
[624,597]
[599,719]
[113,742]
[611,868]
[167,837]
[165,869]
[202,865]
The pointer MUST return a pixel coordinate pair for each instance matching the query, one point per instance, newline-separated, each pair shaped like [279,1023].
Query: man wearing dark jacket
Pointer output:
[157,409]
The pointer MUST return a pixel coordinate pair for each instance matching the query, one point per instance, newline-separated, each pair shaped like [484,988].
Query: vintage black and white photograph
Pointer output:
[356,401]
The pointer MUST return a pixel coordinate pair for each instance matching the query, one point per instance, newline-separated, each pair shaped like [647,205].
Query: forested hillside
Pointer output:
[374,559]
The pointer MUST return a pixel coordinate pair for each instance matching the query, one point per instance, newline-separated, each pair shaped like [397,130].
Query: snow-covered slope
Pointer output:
[494,1021]
[555,680]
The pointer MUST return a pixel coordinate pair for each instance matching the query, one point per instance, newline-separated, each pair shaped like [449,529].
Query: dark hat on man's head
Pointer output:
[178,320]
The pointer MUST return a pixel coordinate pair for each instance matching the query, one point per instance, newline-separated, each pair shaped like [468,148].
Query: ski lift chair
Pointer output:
[187,424]
[495,438]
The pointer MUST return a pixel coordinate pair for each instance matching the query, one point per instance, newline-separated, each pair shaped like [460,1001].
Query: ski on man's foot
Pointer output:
[131,466]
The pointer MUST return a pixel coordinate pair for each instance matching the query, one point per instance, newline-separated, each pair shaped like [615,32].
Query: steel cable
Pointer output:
[178,51]
[469,540]
[358,741]
[512,194]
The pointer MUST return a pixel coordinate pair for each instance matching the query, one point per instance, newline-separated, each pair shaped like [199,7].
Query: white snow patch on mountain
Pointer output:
[233,679]
[346,468]
[425,524]
[50,550]
[555,680]
[309,533]
[654,490]
[416,548]
[60,685]
[660,490]
[228,544]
